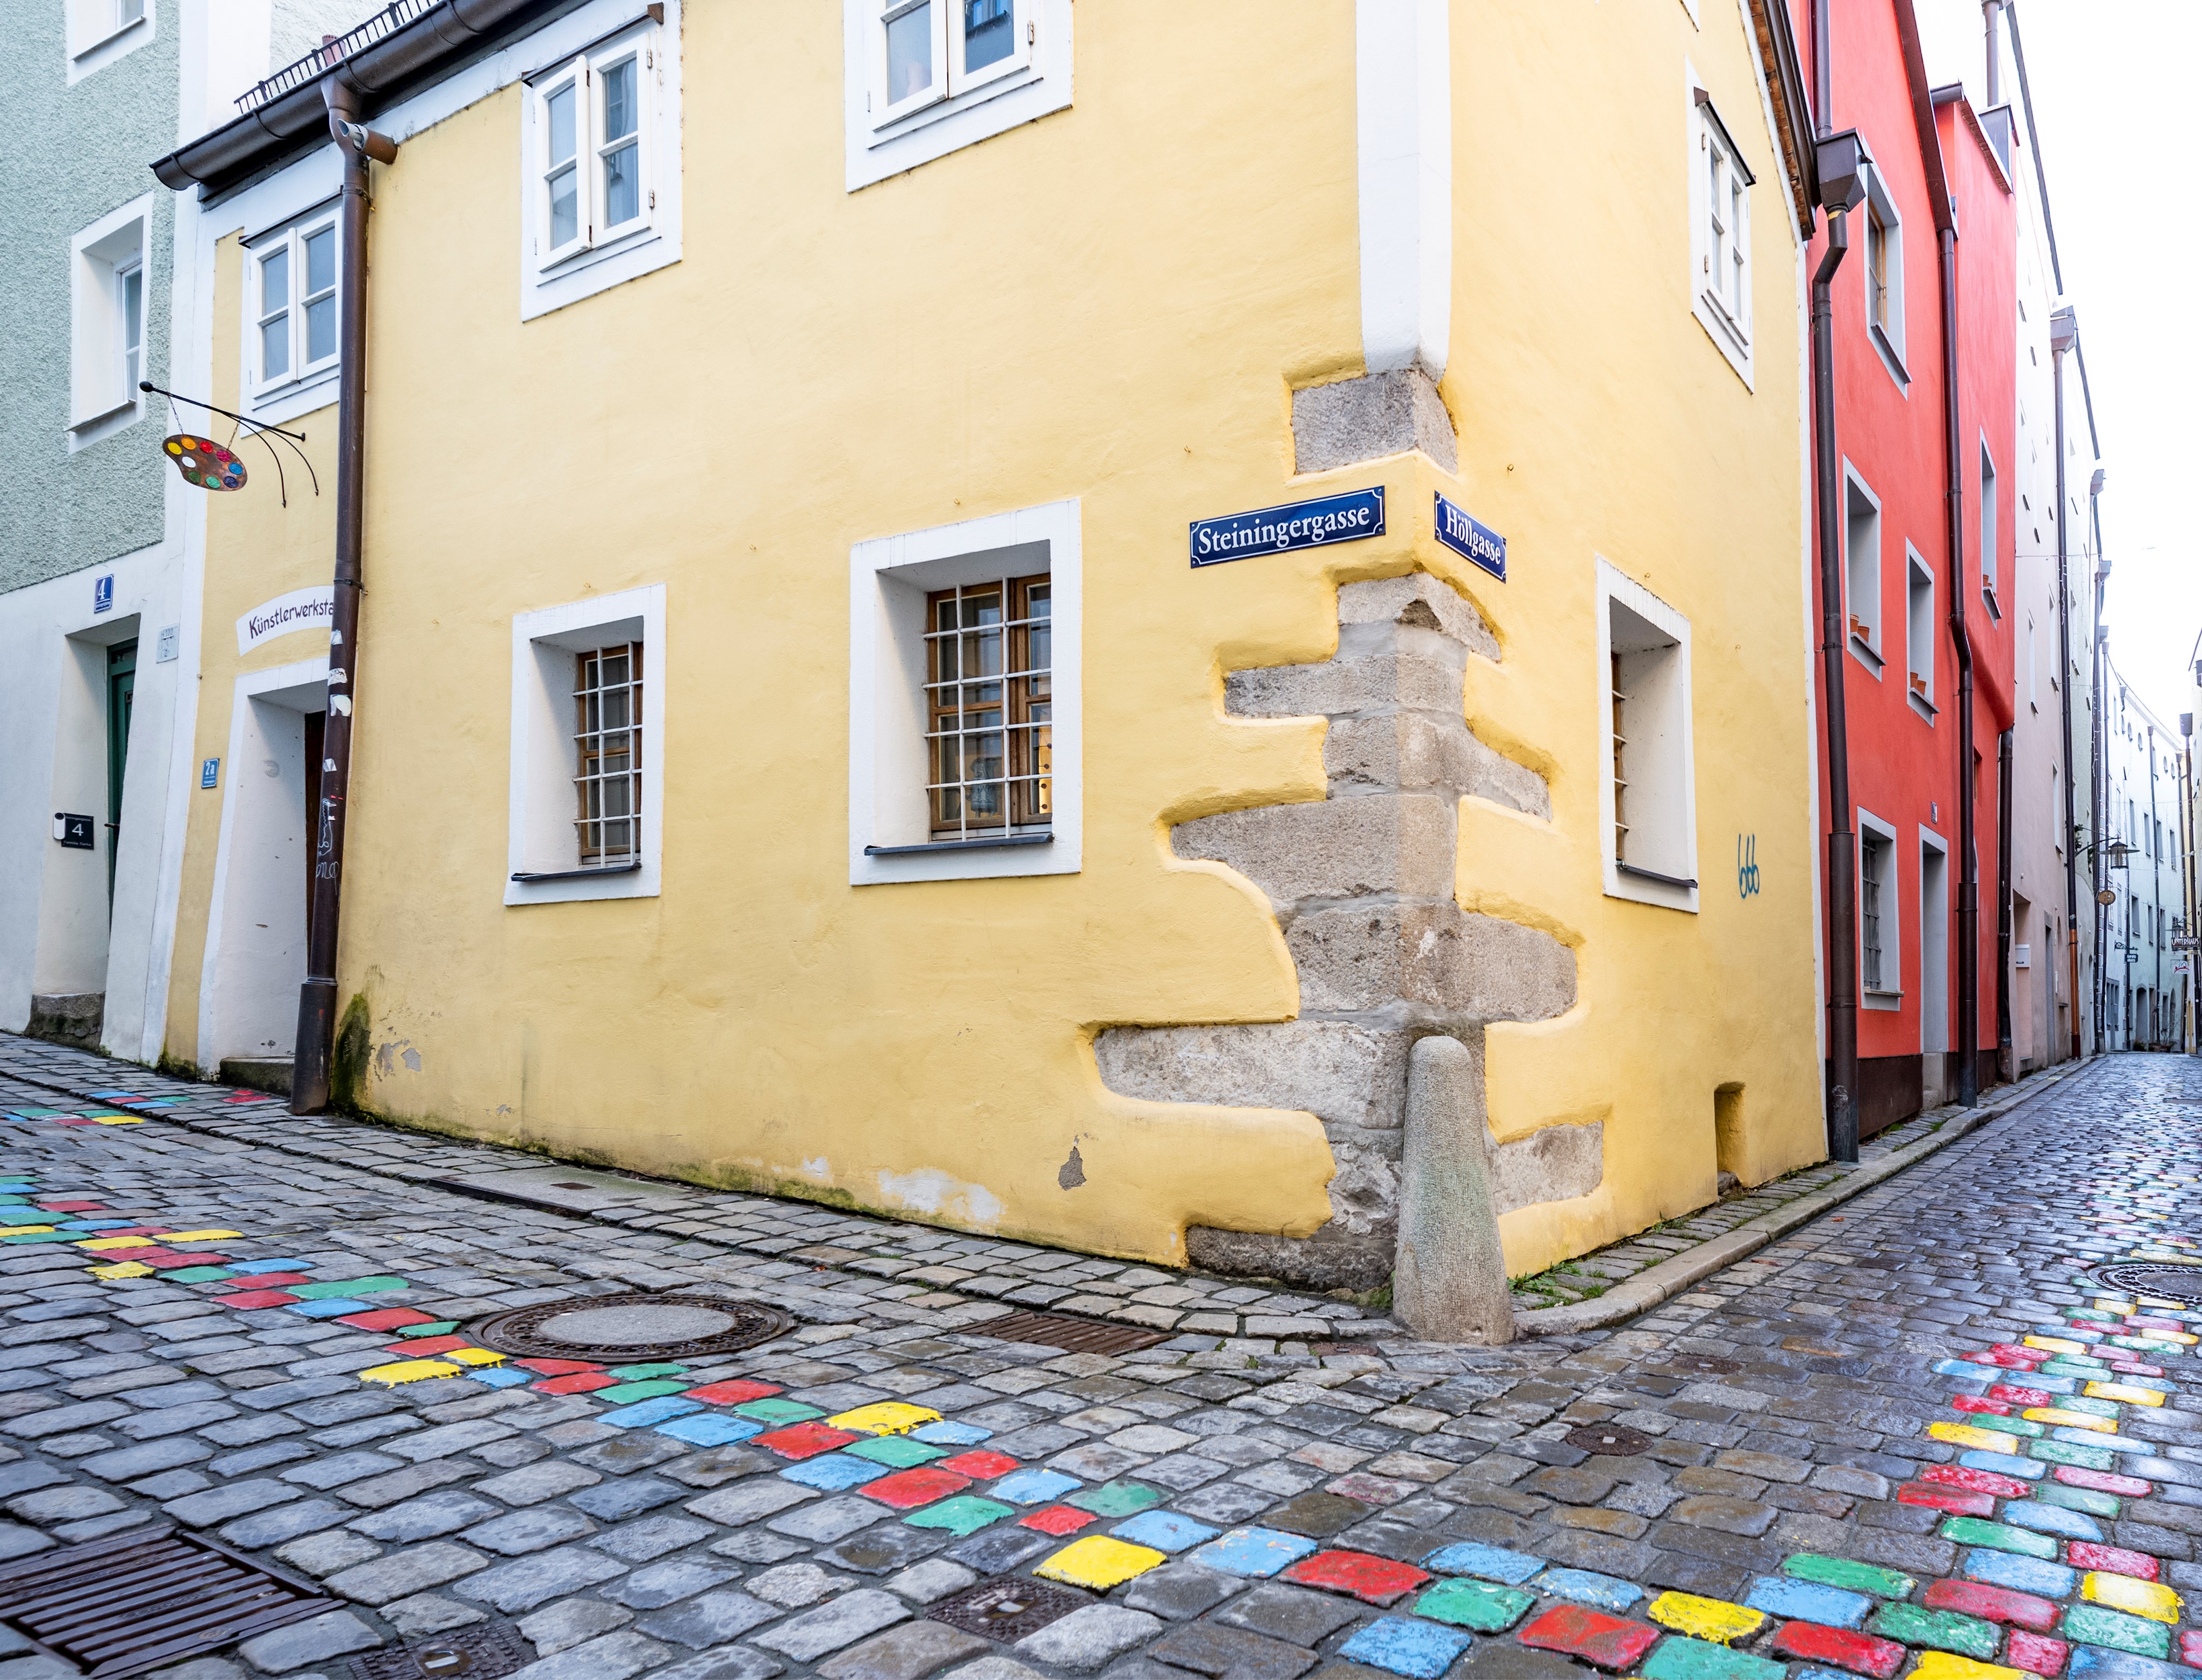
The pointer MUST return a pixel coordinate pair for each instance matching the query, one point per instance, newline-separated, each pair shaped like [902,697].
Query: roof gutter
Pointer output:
[298,119]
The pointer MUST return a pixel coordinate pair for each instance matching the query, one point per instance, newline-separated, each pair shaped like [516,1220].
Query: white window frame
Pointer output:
[889,579]
[1888,342]
[1919,638]
[540,836]
[1866,649]
[101,402]
[884,136]
[601,256]
[300,376]
[1719,253]
[98,31]
[1667,747]
[1989,523]
[1892,923]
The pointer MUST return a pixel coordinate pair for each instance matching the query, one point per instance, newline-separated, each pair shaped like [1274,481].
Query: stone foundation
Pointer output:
[73,1019]
[1362,884]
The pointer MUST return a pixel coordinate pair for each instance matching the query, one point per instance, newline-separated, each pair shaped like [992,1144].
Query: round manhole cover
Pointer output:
[2178,1283]
[630,1328]
[1705,1364]
[1610,1440]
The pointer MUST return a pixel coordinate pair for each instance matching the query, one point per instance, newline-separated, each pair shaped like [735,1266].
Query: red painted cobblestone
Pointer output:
[906,1489]
[808,1441]
[1992,1604]
[1860,1652]
[1976,1481]
[2102,1480]
[1602,1641]
[2115,1559]
[2038,1653]
[1373,1580]
[1955,1500]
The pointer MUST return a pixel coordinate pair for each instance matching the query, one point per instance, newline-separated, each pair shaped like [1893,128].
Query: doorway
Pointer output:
[122,684]
[1934,971]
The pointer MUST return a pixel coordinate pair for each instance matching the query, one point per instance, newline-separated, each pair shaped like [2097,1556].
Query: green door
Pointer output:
[121,679]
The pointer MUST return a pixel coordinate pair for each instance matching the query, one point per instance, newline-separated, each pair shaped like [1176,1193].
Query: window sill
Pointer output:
[1862,650]
[1891,355]
[1987,597]
[935,848]
[125,406]
[530,876]
[1926,708]
[1654,874]
[89,47]
[1889,1000]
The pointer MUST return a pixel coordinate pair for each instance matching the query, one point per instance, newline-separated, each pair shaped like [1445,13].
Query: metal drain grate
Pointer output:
[480,1653]
[2178,1283]
[628,1328]
[141,1601]
[1073,1335]
[1007,1608]
[1609,1440]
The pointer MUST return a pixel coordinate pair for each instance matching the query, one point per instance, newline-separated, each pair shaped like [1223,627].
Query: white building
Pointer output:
[2145,1006]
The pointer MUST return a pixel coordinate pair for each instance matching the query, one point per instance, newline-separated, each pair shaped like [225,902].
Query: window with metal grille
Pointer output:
[608,755]
[990,711]
[1873,861]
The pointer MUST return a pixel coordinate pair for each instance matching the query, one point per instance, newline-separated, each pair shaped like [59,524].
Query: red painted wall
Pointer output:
[1891,433]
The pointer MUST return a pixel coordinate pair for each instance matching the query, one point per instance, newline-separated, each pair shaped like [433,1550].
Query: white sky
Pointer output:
[2112,79]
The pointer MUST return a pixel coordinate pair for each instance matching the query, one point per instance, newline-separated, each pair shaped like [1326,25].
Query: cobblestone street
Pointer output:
[1917,1434]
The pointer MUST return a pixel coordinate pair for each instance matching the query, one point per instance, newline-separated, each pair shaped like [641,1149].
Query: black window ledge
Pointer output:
[988,843]
[530,877]
[1654,874]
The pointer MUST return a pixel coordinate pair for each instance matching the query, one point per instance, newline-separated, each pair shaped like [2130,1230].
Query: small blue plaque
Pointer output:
[209,772]
[1472,540]
[1316,524]
[102,594]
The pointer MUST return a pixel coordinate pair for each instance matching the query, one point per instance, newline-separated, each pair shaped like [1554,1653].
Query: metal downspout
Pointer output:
[1968,862]
[2064,330]
[311,1071]
[2006,1057]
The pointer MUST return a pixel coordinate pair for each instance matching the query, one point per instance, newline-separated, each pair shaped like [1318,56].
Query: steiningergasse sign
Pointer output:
[1316,524]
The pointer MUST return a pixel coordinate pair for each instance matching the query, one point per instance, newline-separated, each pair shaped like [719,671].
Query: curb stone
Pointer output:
[1655,1284]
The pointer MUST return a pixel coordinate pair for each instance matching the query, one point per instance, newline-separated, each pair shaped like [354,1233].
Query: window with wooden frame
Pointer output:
[928,51]
[989,708]
[608,756]
[1648,799]
[593,162]
[293,289]
[1876,267]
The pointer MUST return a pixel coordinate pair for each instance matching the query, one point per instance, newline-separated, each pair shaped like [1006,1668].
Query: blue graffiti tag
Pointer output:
[1746,866]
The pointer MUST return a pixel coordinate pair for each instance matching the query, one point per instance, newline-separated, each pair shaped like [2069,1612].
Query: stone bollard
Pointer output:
[1450,1284]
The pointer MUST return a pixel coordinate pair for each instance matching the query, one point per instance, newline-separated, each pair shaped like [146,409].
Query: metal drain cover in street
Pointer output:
[1074,1336]
[1007,1608]
[140,1602]
[1705,1364]
[480,1654]
[1609,1440]
[633,1327]
[2178,1283]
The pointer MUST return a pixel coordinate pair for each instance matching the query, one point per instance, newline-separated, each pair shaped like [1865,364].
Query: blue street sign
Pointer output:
[1471,538]
[102,594]
[1331,519]
[210,770]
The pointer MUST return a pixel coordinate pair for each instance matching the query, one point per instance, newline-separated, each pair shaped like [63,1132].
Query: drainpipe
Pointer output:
[2007,1059]
[317,997]
[1968,888]
[2063,333]
[1988,10]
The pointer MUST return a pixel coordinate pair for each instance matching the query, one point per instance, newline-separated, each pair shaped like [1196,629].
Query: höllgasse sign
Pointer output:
[1470,538]
[1316,524]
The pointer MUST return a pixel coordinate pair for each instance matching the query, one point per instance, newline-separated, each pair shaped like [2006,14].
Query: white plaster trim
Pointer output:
[99,404]
[1403,87]
[1615,585]
[886,731]
[300,674]
[88,58]
[539,822]
[1039,86]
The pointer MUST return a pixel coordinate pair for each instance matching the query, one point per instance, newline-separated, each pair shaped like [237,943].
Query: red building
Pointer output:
[1915,527]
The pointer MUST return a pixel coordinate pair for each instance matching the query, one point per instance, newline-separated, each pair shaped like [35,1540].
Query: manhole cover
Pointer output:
[2178,1283]
[1705,1364]
[123,1605]
[480,1653]
[1074,1336]
[1609,1440]
[1007,1608]
[629,1328]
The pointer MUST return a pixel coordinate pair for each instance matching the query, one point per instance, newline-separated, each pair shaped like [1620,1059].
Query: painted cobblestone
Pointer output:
[1222,1506]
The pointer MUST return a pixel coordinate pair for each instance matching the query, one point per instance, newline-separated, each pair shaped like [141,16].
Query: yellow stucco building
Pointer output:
[826,719]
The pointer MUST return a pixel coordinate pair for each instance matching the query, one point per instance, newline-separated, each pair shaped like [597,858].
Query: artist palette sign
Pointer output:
[312,609]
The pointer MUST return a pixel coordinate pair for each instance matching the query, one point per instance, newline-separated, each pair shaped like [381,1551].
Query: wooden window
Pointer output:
[1620,777]
[1876,266]
[989,711]
[608,755]
[1873,855]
